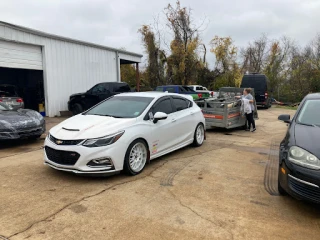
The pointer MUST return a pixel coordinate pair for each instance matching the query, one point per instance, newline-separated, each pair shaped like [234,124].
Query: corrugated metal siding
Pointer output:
[17,55]
[130,57]
[69,67]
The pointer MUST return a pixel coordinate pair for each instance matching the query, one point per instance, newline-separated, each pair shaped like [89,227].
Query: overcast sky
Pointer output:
[115,23]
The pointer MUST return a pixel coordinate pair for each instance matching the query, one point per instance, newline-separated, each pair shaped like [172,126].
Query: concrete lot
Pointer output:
[225,189]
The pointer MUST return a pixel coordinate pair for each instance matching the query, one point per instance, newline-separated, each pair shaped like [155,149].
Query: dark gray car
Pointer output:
[21,123]
[9,95]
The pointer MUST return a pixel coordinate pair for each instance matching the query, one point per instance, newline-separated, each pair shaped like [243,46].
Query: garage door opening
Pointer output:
[28,82]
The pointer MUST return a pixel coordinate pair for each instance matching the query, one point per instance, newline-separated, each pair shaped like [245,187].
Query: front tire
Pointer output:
[199,135]
[136,157]
[77,109]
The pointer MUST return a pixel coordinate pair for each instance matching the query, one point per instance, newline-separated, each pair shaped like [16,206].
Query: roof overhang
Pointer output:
[56,37]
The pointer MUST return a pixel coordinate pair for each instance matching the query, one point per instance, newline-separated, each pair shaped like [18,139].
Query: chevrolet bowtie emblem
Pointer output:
[59,142]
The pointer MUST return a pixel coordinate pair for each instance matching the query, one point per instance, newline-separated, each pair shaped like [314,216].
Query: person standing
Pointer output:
[247,95]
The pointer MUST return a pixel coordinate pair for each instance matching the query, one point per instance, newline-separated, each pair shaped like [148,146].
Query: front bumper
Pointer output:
[23,133]
[115,152]
[299,182]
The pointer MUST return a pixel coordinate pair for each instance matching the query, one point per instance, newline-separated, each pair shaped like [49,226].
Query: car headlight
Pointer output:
[104,141]
[303,158]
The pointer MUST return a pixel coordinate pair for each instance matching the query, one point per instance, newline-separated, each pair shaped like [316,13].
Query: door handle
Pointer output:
[191,113]
[173,120]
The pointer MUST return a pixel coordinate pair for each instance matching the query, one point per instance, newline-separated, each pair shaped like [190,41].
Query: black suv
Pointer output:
[260,84]
[83,101]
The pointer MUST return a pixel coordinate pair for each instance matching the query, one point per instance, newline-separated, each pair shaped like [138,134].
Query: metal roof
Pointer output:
[53,36]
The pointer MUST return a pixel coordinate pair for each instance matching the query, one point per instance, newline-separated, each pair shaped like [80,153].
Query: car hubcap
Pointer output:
[200,134]
[138,157]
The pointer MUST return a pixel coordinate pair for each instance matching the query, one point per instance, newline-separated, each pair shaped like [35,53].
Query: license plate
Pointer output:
[9,103]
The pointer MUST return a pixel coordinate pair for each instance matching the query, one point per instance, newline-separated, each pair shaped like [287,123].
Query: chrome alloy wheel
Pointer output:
[138,157]
[200,134]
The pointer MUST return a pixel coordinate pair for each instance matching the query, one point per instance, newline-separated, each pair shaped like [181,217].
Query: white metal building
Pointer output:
[51,68]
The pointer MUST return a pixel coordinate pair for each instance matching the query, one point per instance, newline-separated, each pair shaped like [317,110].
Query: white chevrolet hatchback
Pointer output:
[124,132]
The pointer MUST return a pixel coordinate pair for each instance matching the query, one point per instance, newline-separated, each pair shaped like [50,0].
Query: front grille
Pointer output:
[64,142]
[27,132]
[62,157]
[305,190]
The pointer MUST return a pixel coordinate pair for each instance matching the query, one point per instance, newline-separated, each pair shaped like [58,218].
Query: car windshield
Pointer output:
[7,91]
[4,107]
[121,107]
[310,114]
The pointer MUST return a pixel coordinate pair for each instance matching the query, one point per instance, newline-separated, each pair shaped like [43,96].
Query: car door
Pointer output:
[185,119]
[163,132]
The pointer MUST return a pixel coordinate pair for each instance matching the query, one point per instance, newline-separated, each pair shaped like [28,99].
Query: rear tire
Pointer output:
[77,109]
[136,157]
[199,135]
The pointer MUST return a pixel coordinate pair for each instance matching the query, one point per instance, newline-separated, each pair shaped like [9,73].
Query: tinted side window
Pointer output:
[199,88]
[188,89]
[181,89]
[170,90]
[180,103]
[163,106]
[159,89]
[100,88]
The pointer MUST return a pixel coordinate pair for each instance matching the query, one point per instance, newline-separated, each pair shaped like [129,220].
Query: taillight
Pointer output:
[266,95]
[200,95]
[0,100]
[19,100]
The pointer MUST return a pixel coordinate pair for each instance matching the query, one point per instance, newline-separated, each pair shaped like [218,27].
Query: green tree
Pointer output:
[226,66]
[184,62]
[156,57]
[128,74]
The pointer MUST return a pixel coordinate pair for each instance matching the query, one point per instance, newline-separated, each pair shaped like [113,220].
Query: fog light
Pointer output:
[101,162]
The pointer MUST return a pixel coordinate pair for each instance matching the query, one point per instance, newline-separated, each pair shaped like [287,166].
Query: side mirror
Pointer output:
[159,116]
[285,118]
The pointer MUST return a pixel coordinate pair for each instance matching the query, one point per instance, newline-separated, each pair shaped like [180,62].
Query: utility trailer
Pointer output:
[225,111]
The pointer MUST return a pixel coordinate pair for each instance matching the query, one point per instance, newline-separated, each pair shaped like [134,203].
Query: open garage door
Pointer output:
[18,55]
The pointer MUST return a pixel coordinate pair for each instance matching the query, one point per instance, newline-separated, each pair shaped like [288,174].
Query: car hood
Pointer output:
[76,94]
[22,118]
[90,126]
[308,137]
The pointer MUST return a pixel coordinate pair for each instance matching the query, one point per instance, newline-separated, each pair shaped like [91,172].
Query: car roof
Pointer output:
[152,94]
[313,96]
[113,83]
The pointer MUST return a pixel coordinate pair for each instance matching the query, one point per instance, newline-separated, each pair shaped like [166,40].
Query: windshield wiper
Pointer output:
[105,115]
[310,125]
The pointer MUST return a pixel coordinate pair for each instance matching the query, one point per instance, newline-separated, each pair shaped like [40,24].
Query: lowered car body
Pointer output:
[124,132]
[299,164]
[21,123]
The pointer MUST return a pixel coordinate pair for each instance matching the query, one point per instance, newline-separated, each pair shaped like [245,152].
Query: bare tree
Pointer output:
[254,55]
